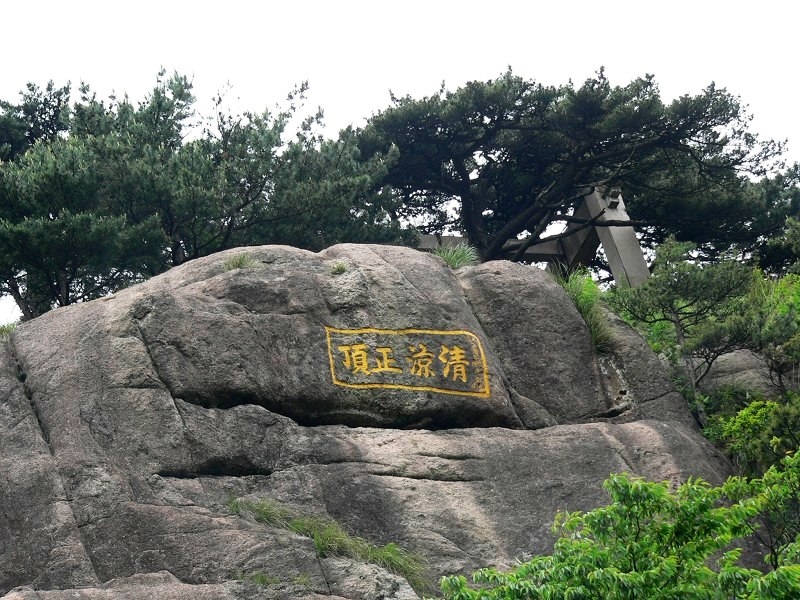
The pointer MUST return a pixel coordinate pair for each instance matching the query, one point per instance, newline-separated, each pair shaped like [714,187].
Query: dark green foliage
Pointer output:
[12,135]
[654,542]
[499,160]
[324,194]
[777,245]
[41,115]
[734,216]
[60,240]
[792,239]
[105,193]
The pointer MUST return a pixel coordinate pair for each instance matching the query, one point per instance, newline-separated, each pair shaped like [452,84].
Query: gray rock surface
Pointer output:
[740,368]
[258,336]
[541,340]
[453,414]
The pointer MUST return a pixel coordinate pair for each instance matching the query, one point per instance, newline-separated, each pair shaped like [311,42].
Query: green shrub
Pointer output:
[239,261]
[461,255]
[586,295]
[773,313]
[661,338]
[776,527]
[701,303]
[653,541]
[726,400]
[759,435]
[330,539]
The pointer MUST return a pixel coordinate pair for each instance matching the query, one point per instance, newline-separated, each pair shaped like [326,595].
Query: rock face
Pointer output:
[743,369]
[452,414]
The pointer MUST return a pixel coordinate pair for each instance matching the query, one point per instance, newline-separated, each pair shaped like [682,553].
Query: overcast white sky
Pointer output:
[352,52]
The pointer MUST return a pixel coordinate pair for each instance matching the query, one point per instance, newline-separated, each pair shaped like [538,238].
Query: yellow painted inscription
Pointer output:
[448,362]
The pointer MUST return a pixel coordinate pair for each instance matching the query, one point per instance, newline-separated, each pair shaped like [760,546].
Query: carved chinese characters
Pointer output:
[448,362]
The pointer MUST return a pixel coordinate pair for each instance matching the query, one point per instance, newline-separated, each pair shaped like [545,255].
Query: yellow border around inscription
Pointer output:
[400,386]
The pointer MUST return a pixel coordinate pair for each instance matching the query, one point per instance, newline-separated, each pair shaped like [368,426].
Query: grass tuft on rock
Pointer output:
[458,256]
[6,330]
[330,539]
[338,268]
[239,261]
[585,295]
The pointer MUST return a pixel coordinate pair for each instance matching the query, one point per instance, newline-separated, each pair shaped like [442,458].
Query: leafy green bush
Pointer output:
[586,295]
[652,542]
[740,434]
[461,255]
[759,435]
[660,337]
[330,539]
[776,527]
[773,314]
[726,400]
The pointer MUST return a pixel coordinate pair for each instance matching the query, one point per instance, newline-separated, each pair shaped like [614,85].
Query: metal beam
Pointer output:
[622,249]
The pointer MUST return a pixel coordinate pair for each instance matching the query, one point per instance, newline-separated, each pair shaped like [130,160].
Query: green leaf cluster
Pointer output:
[760,434]
[776,526]
[653,541]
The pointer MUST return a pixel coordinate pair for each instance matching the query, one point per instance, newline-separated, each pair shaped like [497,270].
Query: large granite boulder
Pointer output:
[451,413]
[741,369]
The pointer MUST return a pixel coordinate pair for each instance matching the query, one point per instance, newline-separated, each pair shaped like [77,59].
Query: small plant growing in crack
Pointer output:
[587,298]
[330,539]
[303,580]
[338,268]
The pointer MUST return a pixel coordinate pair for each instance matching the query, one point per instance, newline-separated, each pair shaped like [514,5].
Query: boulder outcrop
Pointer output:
[450,413]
